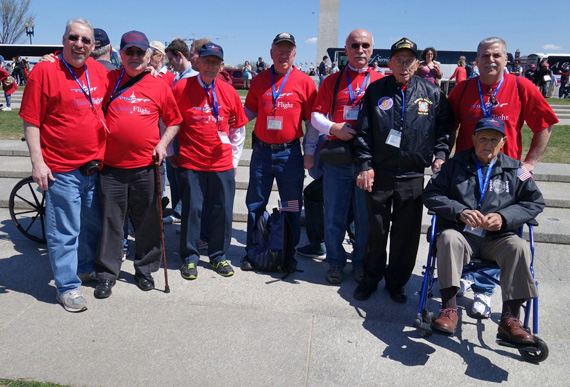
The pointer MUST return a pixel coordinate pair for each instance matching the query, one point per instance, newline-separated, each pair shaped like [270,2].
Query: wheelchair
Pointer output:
[27,209]
[532,353]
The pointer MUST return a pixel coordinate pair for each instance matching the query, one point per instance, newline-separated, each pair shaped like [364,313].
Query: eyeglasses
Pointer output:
[355,46]
[285,54]
[404,63]
[134,52]
[75,38]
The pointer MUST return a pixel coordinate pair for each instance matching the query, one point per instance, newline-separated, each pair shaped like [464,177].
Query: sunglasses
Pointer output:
[134,52]
[355,46]
[75,38]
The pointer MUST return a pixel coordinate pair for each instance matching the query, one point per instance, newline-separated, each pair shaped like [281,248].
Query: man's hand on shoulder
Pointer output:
[343,131]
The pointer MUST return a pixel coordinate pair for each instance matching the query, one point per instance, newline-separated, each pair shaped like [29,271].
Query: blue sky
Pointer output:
[245,29]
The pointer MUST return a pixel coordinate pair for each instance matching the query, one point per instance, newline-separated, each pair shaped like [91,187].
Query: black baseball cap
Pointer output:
[490,124]
[404,44]
[101,38]
[134,39]
[284,37]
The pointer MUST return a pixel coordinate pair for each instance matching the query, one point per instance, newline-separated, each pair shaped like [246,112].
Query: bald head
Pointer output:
[358,48]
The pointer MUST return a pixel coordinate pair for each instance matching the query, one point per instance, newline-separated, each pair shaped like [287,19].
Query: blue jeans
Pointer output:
[172,176]
[73,226]
[339,191]
[481,284]
[8,99]
[286,167]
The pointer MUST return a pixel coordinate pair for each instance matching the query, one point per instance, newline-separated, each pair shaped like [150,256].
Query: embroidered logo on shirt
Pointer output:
[423,105]
[498,186]
[385,103]
[523,174]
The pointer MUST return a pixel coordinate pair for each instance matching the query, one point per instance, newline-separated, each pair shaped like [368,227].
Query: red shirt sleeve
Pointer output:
[536,111]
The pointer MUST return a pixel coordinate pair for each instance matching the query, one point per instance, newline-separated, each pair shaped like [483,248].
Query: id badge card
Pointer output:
[274,123]
[477,231]
[224,137]
[394,138]
[351,113]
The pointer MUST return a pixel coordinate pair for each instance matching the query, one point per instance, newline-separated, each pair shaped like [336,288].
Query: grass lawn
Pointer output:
[26,383]
[558,101]
[11,125]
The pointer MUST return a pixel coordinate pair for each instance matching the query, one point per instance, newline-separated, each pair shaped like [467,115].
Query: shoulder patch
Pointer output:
[523,174]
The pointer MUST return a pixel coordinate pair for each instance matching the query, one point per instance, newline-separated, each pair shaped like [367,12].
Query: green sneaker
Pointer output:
[223,268]
[189,271]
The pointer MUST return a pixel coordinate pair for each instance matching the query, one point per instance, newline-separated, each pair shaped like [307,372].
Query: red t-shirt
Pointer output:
[167,77]
[201,146]
[293,106]
[71,133]
[323,103]
[7,89]
[132,119]
[515,105]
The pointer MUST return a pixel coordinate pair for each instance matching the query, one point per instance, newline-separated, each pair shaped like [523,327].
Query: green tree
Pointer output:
[13,15]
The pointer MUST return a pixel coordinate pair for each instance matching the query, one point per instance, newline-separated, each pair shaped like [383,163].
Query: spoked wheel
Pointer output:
[535,355]
[27,209]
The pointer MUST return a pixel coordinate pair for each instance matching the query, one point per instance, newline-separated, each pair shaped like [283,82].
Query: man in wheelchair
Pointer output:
[483,223]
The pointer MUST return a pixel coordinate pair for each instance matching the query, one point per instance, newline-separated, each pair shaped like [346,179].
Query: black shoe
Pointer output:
[246,264]
[363,291]
[103,288]
[310,252]
[398,294]
[144,283]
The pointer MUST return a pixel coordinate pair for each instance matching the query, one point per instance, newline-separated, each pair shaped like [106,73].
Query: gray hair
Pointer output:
[81,21]
[492,40]
[101,51]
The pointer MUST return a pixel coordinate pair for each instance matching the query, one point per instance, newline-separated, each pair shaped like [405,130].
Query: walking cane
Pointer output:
[158,197]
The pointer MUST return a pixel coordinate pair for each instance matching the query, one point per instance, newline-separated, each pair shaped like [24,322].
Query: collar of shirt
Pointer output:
[163,70]
[360,70]
[189,72]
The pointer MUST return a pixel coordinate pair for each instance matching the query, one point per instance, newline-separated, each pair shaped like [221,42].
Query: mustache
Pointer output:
[491,65]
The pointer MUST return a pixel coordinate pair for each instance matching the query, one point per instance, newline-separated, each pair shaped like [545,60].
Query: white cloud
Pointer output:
[551,47]
[311,41]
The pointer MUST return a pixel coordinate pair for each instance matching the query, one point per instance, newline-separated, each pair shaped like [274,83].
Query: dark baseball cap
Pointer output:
[490,124]
[101,38]
[284,37]
[134,39]
[211,49]
[404,44]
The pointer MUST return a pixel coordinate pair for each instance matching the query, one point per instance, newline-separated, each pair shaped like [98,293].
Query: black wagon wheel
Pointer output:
[27,209]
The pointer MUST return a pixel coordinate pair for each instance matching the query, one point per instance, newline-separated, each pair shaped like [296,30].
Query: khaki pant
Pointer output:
[511,253]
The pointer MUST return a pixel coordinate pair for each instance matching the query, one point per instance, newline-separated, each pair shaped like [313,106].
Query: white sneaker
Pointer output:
[481,305]
[6,109]
[72,301]
[171,219]
[464,286]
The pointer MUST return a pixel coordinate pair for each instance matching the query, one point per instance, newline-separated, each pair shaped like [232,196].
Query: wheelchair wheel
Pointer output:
[538,355]
[27,209]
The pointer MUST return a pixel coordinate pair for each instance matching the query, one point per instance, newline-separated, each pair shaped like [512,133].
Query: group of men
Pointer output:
[79,122]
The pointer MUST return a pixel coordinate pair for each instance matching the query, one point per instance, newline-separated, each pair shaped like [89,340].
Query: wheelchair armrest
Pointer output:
[532,223]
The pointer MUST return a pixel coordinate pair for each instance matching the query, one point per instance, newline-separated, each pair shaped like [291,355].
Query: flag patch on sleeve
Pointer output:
[523,174]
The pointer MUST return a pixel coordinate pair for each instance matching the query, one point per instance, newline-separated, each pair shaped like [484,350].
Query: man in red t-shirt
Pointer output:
[209,153]
[281,98]
[63,124]
[134,103]
[339,180]
[513,100]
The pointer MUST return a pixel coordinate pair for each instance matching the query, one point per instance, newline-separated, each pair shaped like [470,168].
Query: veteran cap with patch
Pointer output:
[488,123]
[404,44]
[284,37]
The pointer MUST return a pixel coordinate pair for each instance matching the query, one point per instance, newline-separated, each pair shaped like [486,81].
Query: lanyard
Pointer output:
[118,83]
[483,183]
[487,113]
[362,89]
[88,92]
[214,104]
[403,107]
[275,94]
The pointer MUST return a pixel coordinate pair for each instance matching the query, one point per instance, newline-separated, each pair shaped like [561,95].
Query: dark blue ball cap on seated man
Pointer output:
[488,123]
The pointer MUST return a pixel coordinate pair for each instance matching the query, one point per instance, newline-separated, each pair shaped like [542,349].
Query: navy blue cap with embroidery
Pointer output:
[490,124]
[134,39]
[211,49]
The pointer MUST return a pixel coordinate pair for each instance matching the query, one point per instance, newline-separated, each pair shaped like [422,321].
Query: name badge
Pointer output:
[224,137]
[477,231]
[351,113]
[394,138]
[274,123]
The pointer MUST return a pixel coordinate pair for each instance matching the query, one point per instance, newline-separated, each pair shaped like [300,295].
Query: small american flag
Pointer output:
[289,205]
[523,174]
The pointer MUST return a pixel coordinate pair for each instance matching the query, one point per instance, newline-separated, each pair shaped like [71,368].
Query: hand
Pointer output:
[42,175]
[342,131]
[472,218]
[231,120]
[152,71]
[365,180]
[308,161]
[528,166]
[492,222]
[437,163]
[159,153]
[48,58]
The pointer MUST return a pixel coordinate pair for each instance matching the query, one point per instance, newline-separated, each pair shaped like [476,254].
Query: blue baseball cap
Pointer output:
[211,49]
[101,38]
[134,39]
[490,124]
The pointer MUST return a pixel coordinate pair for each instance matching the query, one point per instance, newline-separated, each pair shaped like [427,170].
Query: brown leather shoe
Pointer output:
[446,321]
[511,330]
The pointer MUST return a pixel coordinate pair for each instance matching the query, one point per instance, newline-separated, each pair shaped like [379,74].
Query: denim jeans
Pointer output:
[482,284]
[339,191]
[172,176]
[73,226]
[286,167]
[8,99]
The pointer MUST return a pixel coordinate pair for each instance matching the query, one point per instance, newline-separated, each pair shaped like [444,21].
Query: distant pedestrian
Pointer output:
[429,69]
[460,73]
[247,75]
[323,71]
[260,65]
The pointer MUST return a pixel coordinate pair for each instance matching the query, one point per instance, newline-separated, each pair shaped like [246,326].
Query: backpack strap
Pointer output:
[336,86]
[125,86]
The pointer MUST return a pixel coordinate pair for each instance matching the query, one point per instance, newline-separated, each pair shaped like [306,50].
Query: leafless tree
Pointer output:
[13,15]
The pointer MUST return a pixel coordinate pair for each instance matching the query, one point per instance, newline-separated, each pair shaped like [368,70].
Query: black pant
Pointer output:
[399,201]
[132,190]
[314,213]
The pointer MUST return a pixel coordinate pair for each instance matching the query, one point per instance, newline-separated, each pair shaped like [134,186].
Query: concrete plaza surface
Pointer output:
[255,330]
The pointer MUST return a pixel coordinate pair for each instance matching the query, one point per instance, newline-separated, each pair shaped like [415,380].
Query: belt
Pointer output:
[287,145]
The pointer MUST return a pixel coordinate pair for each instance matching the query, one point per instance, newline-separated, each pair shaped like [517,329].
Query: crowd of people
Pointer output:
[97,140]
